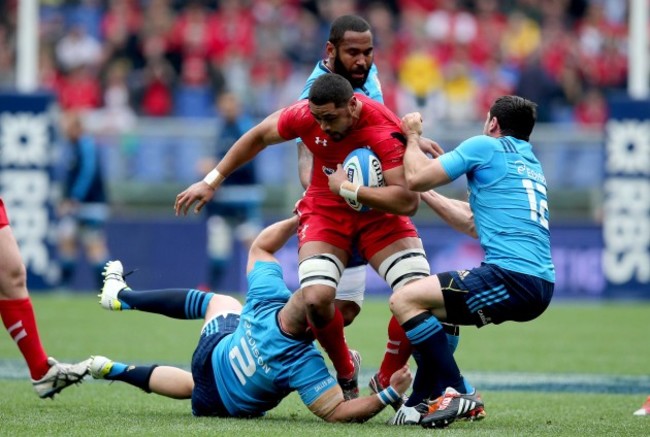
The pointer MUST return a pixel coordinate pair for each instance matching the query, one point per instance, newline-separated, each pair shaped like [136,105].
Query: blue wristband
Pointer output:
[388,395]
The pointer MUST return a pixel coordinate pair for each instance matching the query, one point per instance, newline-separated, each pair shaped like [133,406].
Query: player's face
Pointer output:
[353,57]
[335,122]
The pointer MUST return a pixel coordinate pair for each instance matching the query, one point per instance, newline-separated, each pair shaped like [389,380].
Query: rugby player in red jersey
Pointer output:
[332,122]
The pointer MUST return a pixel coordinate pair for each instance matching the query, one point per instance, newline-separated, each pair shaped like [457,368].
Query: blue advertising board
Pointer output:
[26,138]
[171,253]
[626,208]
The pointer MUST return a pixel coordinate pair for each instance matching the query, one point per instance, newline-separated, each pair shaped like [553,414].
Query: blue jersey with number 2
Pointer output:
[507,194]
[258,365]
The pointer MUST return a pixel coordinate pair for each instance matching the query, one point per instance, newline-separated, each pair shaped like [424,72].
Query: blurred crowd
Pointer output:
[122,59]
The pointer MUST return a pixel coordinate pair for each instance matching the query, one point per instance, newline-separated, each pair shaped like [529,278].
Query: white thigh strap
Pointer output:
[404,266]
[324,269]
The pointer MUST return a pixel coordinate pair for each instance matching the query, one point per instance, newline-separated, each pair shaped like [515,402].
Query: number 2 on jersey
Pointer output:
[537,212]
[242,369]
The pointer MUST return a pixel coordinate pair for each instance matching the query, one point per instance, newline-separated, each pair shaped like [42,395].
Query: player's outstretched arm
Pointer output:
[362,408]
[421,172]
[270,240]
[245,148]
[455,213]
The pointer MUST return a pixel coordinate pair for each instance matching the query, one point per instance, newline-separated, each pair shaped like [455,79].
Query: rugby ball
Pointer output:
[363,167]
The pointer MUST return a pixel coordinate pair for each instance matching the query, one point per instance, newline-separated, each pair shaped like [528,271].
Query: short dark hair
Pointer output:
[516,116]
[345,23]
[330,88]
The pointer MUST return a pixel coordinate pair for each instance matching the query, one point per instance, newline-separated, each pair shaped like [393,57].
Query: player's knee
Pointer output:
[318,297]
[403,267]
[398,304]
[13,283]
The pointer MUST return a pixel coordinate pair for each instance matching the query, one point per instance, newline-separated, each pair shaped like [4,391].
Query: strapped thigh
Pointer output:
[404,266]
[324,269]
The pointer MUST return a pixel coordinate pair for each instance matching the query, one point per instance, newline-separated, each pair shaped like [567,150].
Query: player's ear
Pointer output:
[330,50]
[493,125]
[352,104]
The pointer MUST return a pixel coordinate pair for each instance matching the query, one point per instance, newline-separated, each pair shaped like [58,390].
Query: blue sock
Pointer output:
[138,376]
[116,370]
[436,364]
[176,303]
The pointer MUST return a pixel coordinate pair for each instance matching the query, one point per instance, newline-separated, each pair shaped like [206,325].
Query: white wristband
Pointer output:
[388,395]
[214,178]
[349,190]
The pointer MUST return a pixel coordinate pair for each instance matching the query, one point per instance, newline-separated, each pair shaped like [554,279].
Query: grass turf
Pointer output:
[570,338]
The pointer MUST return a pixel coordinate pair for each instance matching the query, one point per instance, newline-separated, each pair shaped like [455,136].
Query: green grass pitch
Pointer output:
[580,369]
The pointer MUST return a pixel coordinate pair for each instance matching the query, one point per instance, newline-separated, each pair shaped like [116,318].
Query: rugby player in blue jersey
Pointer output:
[247,359]
[507,211]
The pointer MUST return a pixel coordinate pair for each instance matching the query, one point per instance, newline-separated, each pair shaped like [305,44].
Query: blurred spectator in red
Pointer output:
[192,31]
[79,89]
[157,99]
[422,6]
[233,32]
[607,70]
[490,25]
[591,111]
[450,26]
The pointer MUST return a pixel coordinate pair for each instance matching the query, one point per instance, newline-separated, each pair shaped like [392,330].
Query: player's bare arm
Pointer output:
[421,172]
[393,198]
[455,213]
[331,407]
[270,240]
[244,149]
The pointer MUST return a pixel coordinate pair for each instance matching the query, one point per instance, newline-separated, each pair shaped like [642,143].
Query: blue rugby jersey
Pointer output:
[258,365]
[507,194]
[372,87]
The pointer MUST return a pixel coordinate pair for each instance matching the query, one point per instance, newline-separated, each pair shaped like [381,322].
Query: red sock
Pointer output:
[398,351]
[332,339]
[18,317]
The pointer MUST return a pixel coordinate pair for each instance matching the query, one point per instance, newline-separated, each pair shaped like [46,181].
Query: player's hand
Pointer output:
[199,192]
[336,179]
[430,147]
[412,123]
[401,379]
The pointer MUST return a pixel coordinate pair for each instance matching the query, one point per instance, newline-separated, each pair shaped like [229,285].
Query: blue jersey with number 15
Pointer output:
[507,194]
[258,365]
